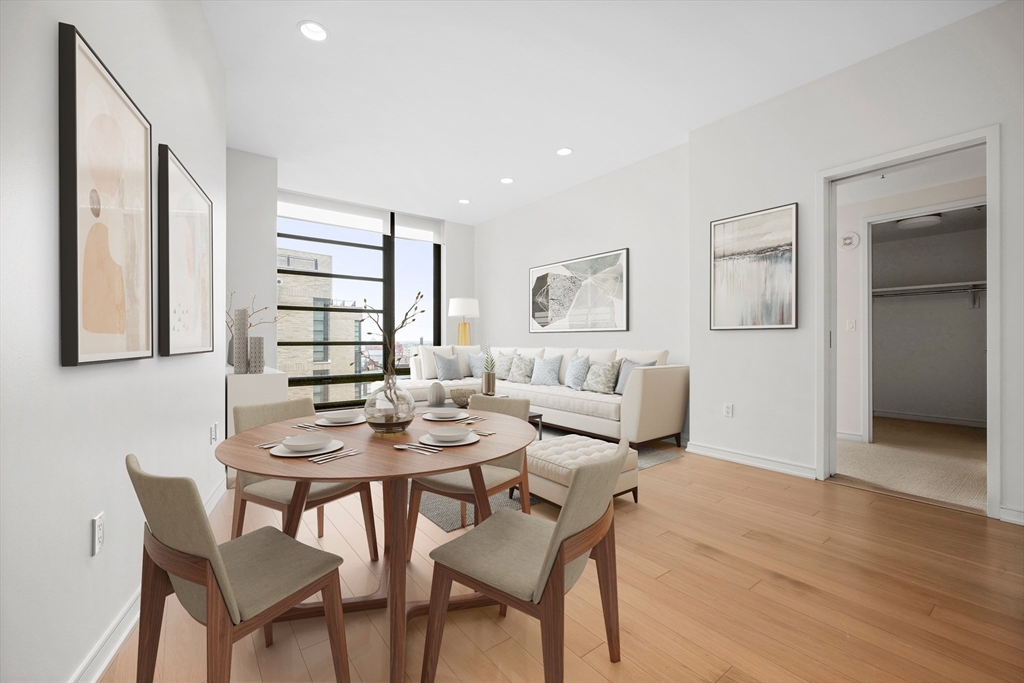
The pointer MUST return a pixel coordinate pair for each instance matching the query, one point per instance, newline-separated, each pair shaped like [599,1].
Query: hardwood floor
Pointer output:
[727,574]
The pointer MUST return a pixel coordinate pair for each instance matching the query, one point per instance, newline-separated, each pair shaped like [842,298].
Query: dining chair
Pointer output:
[234,588]
[277,493]
[530,563]
[505,473]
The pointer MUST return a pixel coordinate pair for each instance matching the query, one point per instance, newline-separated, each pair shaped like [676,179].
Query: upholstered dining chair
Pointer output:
[277,493]
[233,588]
[505,473]
[530,563]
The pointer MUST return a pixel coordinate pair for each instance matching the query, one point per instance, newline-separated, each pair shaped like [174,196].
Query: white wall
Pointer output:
[769,154]
[58,603]
[643,207]
[457,277]
[252,240]
[849,290]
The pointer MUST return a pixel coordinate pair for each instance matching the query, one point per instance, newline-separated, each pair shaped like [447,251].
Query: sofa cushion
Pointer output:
[536,352]
[463,353]
[504,350]
[601,377]
[598,355]
[503,365]
[447,367]
[624,370]
[428,365]
[577,374]
[545,371]
[522,369]
[420,388]
[640,356]
[567,356]
[605,406]
[476,365]
[556,459]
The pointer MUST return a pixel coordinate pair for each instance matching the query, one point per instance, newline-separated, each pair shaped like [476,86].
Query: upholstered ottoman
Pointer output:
[551,463]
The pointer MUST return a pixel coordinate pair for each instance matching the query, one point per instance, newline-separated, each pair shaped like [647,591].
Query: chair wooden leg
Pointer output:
[636,494]
[502,609]
[476,515]
[414,514]
[462,514]
[320,521]
[268,634]
[511,493]
[524,493]
[440,591]
[218,633]
[607,578]
[368,522]
[238,516]
[336,627]
[155,587]
[552,624]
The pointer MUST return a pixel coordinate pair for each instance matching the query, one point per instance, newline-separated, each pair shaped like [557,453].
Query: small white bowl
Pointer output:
[342,416]
[445,412]
[307,442]
[450,434]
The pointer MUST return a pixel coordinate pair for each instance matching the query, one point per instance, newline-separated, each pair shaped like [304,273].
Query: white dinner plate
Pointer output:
[431,441]
[323,422]
[433,418]
[283,452]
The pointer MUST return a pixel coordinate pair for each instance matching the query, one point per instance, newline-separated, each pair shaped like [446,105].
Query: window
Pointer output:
[335,264]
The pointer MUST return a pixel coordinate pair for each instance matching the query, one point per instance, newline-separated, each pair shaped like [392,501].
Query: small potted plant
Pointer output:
[487,379]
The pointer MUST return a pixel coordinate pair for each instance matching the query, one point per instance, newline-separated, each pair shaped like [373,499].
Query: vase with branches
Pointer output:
[251,320]
[390,408]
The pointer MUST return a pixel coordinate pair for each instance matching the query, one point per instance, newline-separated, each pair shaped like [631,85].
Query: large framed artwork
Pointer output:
[753,270]
[106,251]
[588,294]
[185,248]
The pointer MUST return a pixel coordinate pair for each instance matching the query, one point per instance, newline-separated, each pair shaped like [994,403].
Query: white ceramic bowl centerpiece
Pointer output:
[450,434]
[307,442]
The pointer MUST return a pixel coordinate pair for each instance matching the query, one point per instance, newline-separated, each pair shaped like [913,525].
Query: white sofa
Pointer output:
[652,405]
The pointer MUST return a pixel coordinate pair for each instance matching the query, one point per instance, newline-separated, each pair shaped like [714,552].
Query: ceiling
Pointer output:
[960,220]
[412,106]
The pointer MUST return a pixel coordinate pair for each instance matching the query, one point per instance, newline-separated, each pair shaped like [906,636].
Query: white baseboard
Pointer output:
[774,464]
[1011,515]
[109,645]
[848,436]
[932,418]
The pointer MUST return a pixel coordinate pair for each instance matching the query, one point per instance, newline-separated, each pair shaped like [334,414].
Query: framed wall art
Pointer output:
[753,270]
[587,294]
[185,248]
[106,251]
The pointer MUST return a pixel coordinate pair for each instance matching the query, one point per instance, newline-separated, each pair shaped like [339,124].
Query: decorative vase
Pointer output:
[390,408]
[487,384]
[241,340]
[435,395]
[231,350]
[256,355]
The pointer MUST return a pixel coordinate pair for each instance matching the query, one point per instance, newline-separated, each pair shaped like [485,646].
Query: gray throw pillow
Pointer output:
[476,365]
[627,367]
[447,368]
[545,371]
[576,375]
[502,366]
[522,370]
[601,377]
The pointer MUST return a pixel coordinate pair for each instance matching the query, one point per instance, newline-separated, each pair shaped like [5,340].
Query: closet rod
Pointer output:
[930,291]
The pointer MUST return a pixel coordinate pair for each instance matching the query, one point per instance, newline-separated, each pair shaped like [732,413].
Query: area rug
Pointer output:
[444,512]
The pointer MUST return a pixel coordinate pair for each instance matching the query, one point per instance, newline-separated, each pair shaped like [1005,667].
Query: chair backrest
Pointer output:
[175,514]
[516,407]
[590,491]
[251,417]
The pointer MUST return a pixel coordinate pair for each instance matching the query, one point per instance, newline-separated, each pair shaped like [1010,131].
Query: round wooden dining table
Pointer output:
[379,460]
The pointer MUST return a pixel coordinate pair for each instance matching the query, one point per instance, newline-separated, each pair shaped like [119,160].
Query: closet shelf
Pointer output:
[918,290]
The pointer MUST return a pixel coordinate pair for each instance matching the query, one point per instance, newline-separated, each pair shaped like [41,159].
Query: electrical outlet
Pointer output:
[213,433]
[97,534]
[851,325]
[727,410]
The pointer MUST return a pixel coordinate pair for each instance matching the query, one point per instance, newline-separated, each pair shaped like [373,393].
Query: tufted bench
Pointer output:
[551,464]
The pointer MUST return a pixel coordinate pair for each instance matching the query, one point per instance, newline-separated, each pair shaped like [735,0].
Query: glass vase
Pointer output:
[390,408]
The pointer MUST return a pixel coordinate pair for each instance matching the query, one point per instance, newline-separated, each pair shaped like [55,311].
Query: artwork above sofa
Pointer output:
[639,395]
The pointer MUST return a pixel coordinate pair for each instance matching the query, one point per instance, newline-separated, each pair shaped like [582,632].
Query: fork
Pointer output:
[320,459]
[308,427]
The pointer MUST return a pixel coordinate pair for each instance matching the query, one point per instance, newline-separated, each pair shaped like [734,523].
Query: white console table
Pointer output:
[269,386]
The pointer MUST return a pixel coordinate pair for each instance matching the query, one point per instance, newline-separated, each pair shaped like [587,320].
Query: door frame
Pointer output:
[867,301]
[825,319]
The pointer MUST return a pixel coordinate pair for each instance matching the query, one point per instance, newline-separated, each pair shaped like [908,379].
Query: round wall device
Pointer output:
[849,241]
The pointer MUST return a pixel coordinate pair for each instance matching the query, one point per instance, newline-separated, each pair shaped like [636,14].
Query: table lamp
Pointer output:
[464,308]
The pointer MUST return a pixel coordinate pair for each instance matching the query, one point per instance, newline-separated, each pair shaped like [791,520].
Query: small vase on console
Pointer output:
[240,330]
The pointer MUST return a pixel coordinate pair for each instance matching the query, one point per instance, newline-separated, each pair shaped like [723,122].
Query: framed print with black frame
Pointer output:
[753,270]
[586,294]
[185,248]
[106,250]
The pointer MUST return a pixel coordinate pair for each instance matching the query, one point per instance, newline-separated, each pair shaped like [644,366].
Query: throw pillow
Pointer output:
[545,371]
[502,366]
[522,370]
[576,375]
[627,367]
[601,377]
[447,367]
[476,365]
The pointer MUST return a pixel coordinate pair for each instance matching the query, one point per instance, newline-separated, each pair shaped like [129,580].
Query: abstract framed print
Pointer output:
[587,294]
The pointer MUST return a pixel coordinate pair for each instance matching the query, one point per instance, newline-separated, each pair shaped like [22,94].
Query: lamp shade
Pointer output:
[463,308]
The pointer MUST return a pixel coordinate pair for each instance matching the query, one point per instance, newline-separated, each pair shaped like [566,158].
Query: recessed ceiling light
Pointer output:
[918,222]
[564,152]
[507,180]
[463,201]
[313,31]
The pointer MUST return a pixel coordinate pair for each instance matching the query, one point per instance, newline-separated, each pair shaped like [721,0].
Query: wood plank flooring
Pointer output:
[727,574]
